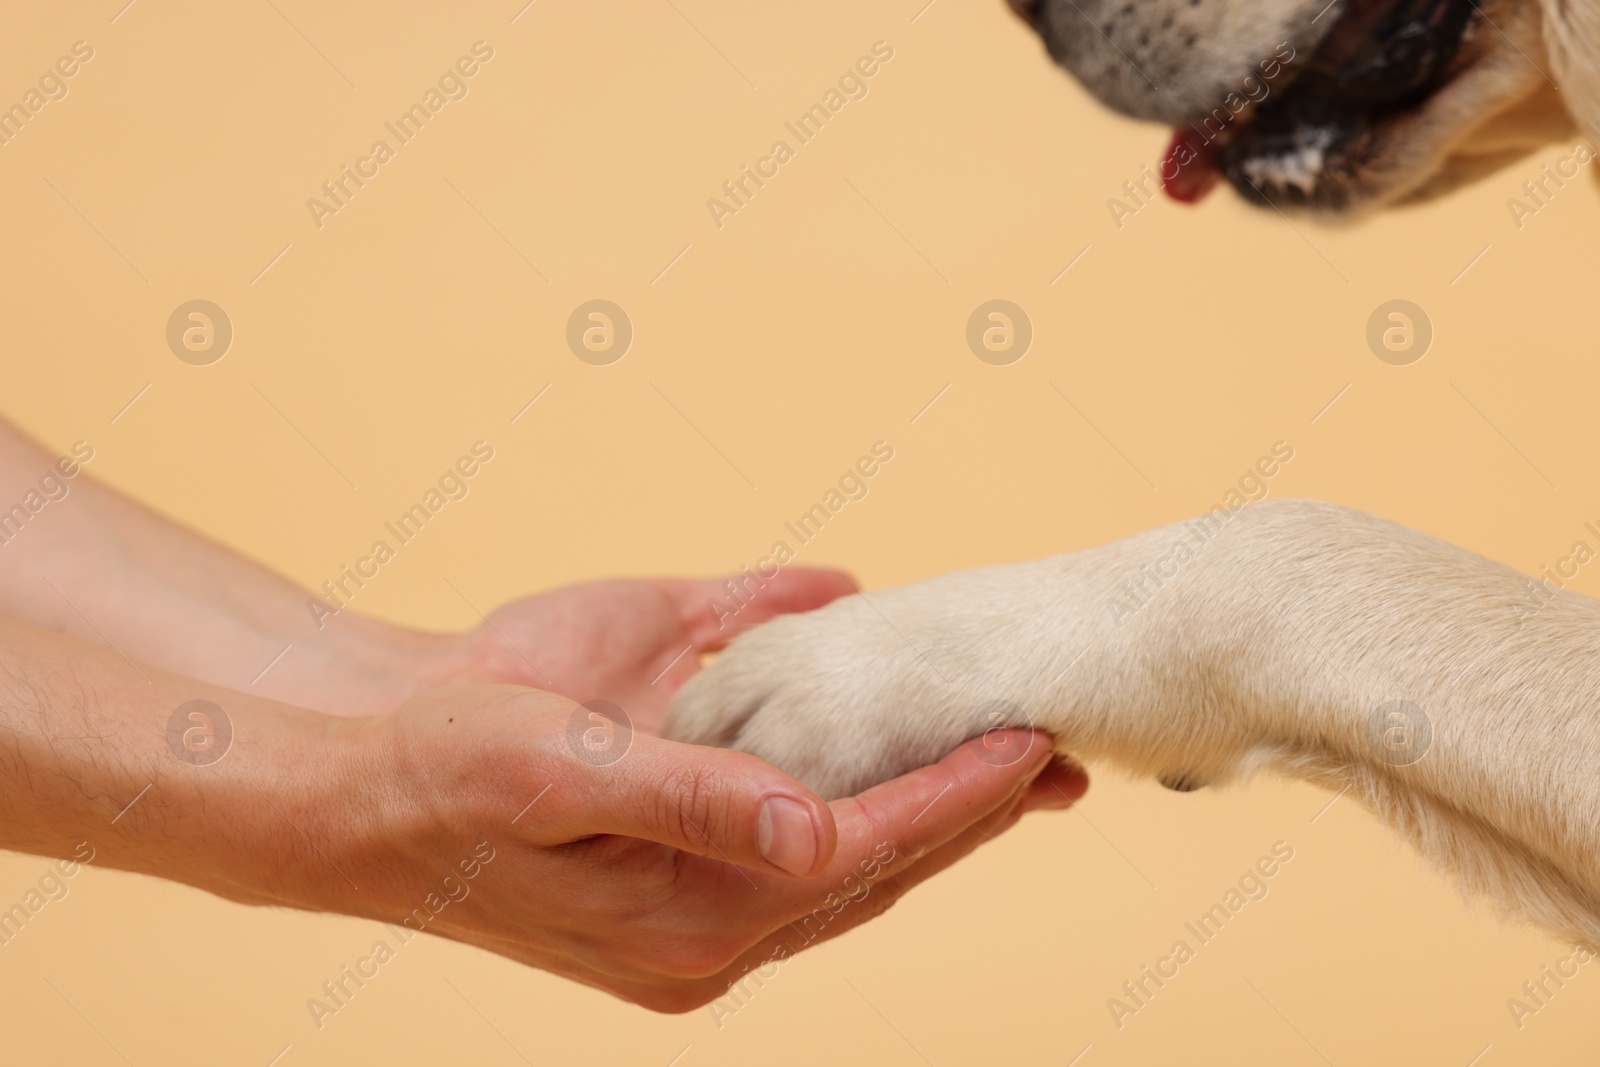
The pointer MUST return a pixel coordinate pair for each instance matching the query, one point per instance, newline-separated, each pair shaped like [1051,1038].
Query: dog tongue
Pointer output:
[1188,160]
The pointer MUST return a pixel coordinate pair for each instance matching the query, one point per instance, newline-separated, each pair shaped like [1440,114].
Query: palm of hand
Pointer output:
[633,642]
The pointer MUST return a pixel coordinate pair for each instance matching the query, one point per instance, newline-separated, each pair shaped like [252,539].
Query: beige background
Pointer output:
[822,317]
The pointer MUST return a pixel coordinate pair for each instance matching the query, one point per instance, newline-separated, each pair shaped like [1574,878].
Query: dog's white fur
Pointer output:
[1273,639]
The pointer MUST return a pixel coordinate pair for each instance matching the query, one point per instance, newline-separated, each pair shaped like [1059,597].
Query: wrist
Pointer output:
[410,660]
[359,665]
[282,818]
[411,793]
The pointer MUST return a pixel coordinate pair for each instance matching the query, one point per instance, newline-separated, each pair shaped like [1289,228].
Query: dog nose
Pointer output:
[1025,9]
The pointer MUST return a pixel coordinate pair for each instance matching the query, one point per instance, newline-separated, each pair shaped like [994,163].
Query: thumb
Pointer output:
[715,803]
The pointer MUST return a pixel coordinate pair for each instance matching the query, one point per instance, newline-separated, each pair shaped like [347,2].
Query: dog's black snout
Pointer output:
[1025,9]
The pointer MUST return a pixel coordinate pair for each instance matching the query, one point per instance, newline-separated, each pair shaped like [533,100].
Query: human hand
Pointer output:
[660,876]
[631,641]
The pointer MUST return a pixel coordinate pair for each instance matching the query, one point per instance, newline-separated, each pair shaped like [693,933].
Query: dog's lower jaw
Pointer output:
[1292,635]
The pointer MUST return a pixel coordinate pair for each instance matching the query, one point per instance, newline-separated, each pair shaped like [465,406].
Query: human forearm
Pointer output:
[96,565]
[257,812]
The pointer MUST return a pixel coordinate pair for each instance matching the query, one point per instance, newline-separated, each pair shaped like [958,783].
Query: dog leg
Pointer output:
[1447,692]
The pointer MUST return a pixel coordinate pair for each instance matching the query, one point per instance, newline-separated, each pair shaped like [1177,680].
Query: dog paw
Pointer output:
[855,693]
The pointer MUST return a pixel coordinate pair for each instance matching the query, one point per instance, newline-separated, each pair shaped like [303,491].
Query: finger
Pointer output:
[1060,785]
[713,615]
[1064,780]
[924,809]
[887,827]
[855,902]
[881,833]
[710,802]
